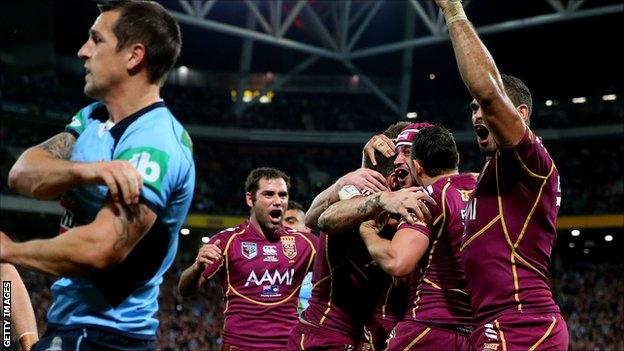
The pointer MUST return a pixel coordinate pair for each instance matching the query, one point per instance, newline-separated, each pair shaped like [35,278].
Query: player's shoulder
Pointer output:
[94,112]
[229,232]
[307,237]
[154,131]
[158,126]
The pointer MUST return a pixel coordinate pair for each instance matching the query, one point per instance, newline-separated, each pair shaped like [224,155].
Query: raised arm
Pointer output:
[348,214]
[399,256]
[362,178]
[103,243]
[479,72]
[44,172]
[192,279]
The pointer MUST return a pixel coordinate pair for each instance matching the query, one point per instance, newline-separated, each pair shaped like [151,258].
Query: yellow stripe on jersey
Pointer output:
[477,234]
[526,263]
[538,198]
[331,282]
[417,339]
[502,335]
[433,246]
[548,331]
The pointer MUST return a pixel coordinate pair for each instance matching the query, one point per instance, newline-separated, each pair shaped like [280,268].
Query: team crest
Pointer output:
[249,250]
[465,194]
[289,246]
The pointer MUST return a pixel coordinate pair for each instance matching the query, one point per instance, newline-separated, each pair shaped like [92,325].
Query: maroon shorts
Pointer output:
[522,332]
[231,347]
[412,335]
[307,337]
[376,333]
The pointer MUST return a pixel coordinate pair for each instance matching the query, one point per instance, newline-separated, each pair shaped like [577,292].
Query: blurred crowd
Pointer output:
[56,96]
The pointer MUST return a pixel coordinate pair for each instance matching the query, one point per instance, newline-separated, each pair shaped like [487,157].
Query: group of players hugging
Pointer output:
[410,253]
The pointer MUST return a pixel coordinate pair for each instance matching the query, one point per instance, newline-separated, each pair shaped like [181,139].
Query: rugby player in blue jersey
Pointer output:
[124,171]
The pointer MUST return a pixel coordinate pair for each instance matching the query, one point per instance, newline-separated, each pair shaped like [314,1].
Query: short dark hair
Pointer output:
[253,179]
[148,23]
[436,150]
[518,93]
[385,165]
[294,205]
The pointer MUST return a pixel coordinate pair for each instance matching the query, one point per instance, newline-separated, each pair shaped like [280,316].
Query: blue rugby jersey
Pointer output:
[123,298]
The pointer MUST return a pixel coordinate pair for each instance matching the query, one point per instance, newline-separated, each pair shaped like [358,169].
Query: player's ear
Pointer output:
[136,56]
[523,110]
[249,199]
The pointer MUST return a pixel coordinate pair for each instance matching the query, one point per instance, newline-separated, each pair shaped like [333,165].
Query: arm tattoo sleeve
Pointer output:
[60,145]
[369,204]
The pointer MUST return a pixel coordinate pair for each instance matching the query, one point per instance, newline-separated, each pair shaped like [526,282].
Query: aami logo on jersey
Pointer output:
[270,291]
[151,163]
[249,250]
[269,278]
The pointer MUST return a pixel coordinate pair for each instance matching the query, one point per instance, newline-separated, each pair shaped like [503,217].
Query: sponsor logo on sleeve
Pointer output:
[249,250]
[151,163]
[77,122]
[289,246]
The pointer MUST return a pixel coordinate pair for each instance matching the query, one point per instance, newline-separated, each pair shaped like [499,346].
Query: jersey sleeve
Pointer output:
[213,268]
[79,121]
[425,227]
[159,161]
[532,155]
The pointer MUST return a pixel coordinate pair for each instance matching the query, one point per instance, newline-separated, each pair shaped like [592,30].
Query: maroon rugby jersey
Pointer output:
[438,294]
[510,230]
[261,281]
[347,285]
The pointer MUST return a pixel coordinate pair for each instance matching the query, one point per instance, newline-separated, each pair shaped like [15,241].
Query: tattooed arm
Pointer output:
[103,243]
[348,214]
[44,172]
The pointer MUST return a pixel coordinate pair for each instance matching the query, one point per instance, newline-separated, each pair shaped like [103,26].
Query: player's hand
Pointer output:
[381,143]
[5,247]
[442,4]
[365,180]
[122,179]
[370,227]
[409,203]
[208,254]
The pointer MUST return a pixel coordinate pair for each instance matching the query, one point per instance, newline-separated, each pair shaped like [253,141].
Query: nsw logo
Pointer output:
[249,250]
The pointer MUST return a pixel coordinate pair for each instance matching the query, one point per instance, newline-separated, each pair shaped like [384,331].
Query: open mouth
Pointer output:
[482,132]
[276,215]
[401,173]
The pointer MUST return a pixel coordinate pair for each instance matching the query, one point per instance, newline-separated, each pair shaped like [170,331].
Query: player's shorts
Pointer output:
[231,347]
[90,339]
[412,335]
[376,333]
[544,331]
[306,337]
